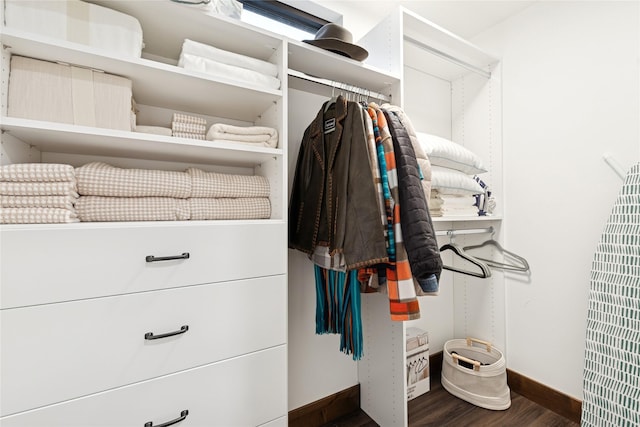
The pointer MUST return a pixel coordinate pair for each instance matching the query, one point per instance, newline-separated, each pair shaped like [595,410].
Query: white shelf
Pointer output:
[320,63]
[154,83]
[65,138]
[444,54]
[165,24]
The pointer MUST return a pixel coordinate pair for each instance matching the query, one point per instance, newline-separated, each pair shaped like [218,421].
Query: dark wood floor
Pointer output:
[438,408]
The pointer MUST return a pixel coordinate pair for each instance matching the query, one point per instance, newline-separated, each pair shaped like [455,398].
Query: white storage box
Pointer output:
[78,22]
[47,91]
[475,371]
[417,345]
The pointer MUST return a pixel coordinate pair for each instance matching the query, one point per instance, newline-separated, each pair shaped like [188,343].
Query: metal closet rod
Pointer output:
[448,57]
[339,85]
[451,233]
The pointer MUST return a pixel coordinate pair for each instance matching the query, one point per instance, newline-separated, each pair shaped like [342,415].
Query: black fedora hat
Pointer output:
[338,39]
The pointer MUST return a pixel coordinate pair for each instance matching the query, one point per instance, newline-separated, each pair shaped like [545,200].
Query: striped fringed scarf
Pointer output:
[338,308]
[403,302]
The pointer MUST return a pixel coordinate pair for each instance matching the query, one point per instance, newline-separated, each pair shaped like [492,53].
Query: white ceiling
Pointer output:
[466,18]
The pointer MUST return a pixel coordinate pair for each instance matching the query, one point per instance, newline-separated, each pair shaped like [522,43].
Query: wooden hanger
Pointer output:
[484,269]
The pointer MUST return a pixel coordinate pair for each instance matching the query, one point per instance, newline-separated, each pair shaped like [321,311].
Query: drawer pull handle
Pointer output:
[182,416]
[151,258]
[150,336]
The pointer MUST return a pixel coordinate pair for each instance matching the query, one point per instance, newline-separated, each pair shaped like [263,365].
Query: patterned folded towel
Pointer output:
[185,118]
[62,188]
[188,127]
[37,172]
[228,208]
[101,179]
[58,202]
[250,134]
[96,208]
[189,135]
[37,216]
[211,184]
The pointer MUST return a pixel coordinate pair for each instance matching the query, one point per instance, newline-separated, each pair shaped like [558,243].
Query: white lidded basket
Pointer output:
[475,371]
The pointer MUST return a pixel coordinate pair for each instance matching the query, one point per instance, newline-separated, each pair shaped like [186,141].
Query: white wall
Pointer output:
[570,93]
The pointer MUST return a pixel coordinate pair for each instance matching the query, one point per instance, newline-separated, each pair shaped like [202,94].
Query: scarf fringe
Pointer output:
[338,308]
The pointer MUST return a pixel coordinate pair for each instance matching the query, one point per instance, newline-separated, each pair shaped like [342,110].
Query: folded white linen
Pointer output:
[100,209]
[230,208]
[102,179]
[450,200]
[58,202]
[255,144]
[212,185]
[218,69]
[435,203]
[37,172]
[460,213]
[37,216]
[191,47]
[38,188]
[247,134]
[156,130]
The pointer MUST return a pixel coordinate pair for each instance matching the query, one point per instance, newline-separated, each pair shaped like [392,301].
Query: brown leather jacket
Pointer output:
[333,200]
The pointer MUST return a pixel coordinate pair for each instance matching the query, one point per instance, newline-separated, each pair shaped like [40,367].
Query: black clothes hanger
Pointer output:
[514,262]
[484,269]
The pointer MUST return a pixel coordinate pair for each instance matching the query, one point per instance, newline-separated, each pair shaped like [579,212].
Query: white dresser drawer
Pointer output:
[63,263]
[55,352]
[245,391]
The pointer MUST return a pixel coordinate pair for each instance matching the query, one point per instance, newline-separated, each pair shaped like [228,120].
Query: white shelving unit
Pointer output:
[100,268]
[450,88]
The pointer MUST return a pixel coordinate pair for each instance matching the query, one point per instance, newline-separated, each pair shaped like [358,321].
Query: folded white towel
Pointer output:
[191,47]
[218,69]
[156,130]
[246,134]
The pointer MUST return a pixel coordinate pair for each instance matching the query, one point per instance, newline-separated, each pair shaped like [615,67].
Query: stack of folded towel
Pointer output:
[452,204]
[253,135]
[220,63]
[186,126]
[37,193]
[108,193]
[224,196]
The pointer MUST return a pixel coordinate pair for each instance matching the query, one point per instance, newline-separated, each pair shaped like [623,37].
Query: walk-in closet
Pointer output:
[162,160]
